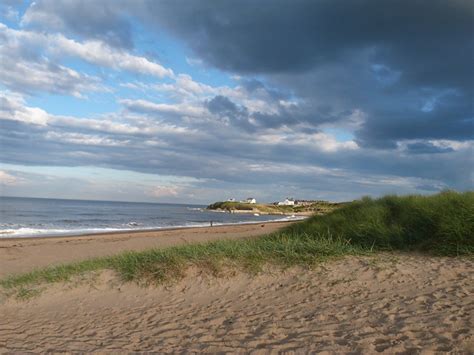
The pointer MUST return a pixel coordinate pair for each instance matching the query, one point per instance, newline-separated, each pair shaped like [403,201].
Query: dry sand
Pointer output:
[21,255]
[391,303]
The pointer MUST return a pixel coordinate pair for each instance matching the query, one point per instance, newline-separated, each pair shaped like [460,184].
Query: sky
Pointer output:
[198,101]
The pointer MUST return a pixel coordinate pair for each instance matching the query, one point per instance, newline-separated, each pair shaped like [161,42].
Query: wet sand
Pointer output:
[393,303]
[21,255]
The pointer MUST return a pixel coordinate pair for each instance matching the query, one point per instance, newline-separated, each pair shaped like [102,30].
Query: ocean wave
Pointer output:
[36,232]
[47,232]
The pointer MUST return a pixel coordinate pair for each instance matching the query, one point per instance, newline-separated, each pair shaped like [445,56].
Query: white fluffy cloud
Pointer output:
[13,107]
[30,62]
[86,139]
[181,109]
[24,67]
[67,129]
[8,179]
[165,191]
[99,53]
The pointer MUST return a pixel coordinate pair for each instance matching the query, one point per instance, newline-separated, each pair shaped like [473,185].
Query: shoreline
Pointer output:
[146,230]
[20,255]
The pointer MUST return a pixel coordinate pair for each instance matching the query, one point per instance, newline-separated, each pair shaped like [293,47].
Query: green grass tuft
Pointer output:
[25,294]
[441,224]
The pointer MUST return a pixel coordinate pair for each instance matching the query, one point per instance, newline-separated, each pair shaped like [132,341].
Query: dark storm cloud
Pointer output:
[366,54]
[426,148]
[453,120]
[102,20]
[275,36]
[257,86]
[222,106]
[336,55]
[226,109]
[240,116]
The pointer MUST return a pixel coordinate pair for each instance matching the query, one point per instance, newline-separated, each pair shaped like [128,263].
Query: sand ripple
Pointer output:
[392,304]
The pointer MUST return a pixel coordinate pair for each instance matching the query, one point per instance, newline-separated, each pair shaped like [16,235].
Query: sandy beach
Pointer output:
[391,303]
[21,255]
[237,177]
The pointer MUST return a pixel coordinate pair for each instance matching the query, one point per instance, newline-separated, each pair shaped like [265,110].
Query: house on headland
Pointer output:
[231,199]
[287,202]
[249,200]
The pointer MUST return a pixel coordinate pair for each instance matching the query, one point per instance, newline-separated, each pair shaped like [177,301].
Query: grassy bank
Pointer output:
[319,207]
[161,265]
[442,224]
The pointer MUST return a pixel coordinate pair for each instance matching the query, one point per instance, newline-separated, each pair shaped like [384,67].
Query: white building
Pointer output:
[231,199]
[250,200]
[287,202]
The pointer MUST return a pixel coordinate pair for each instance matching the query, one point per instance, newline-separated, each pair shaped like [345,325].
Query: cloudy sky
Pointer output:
[197,101]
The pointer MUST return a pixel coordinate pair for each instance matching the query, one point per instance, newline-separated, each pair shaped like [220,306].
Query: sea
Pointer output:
[39,217]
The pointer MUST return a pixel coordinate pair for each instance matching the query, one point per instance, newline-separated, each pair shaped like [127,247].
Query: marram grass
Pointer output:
[441,224]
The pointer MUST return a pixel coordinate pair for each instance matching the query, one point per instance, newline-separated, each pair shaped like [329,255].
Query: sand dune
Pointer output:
[21,255]
[391,304]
